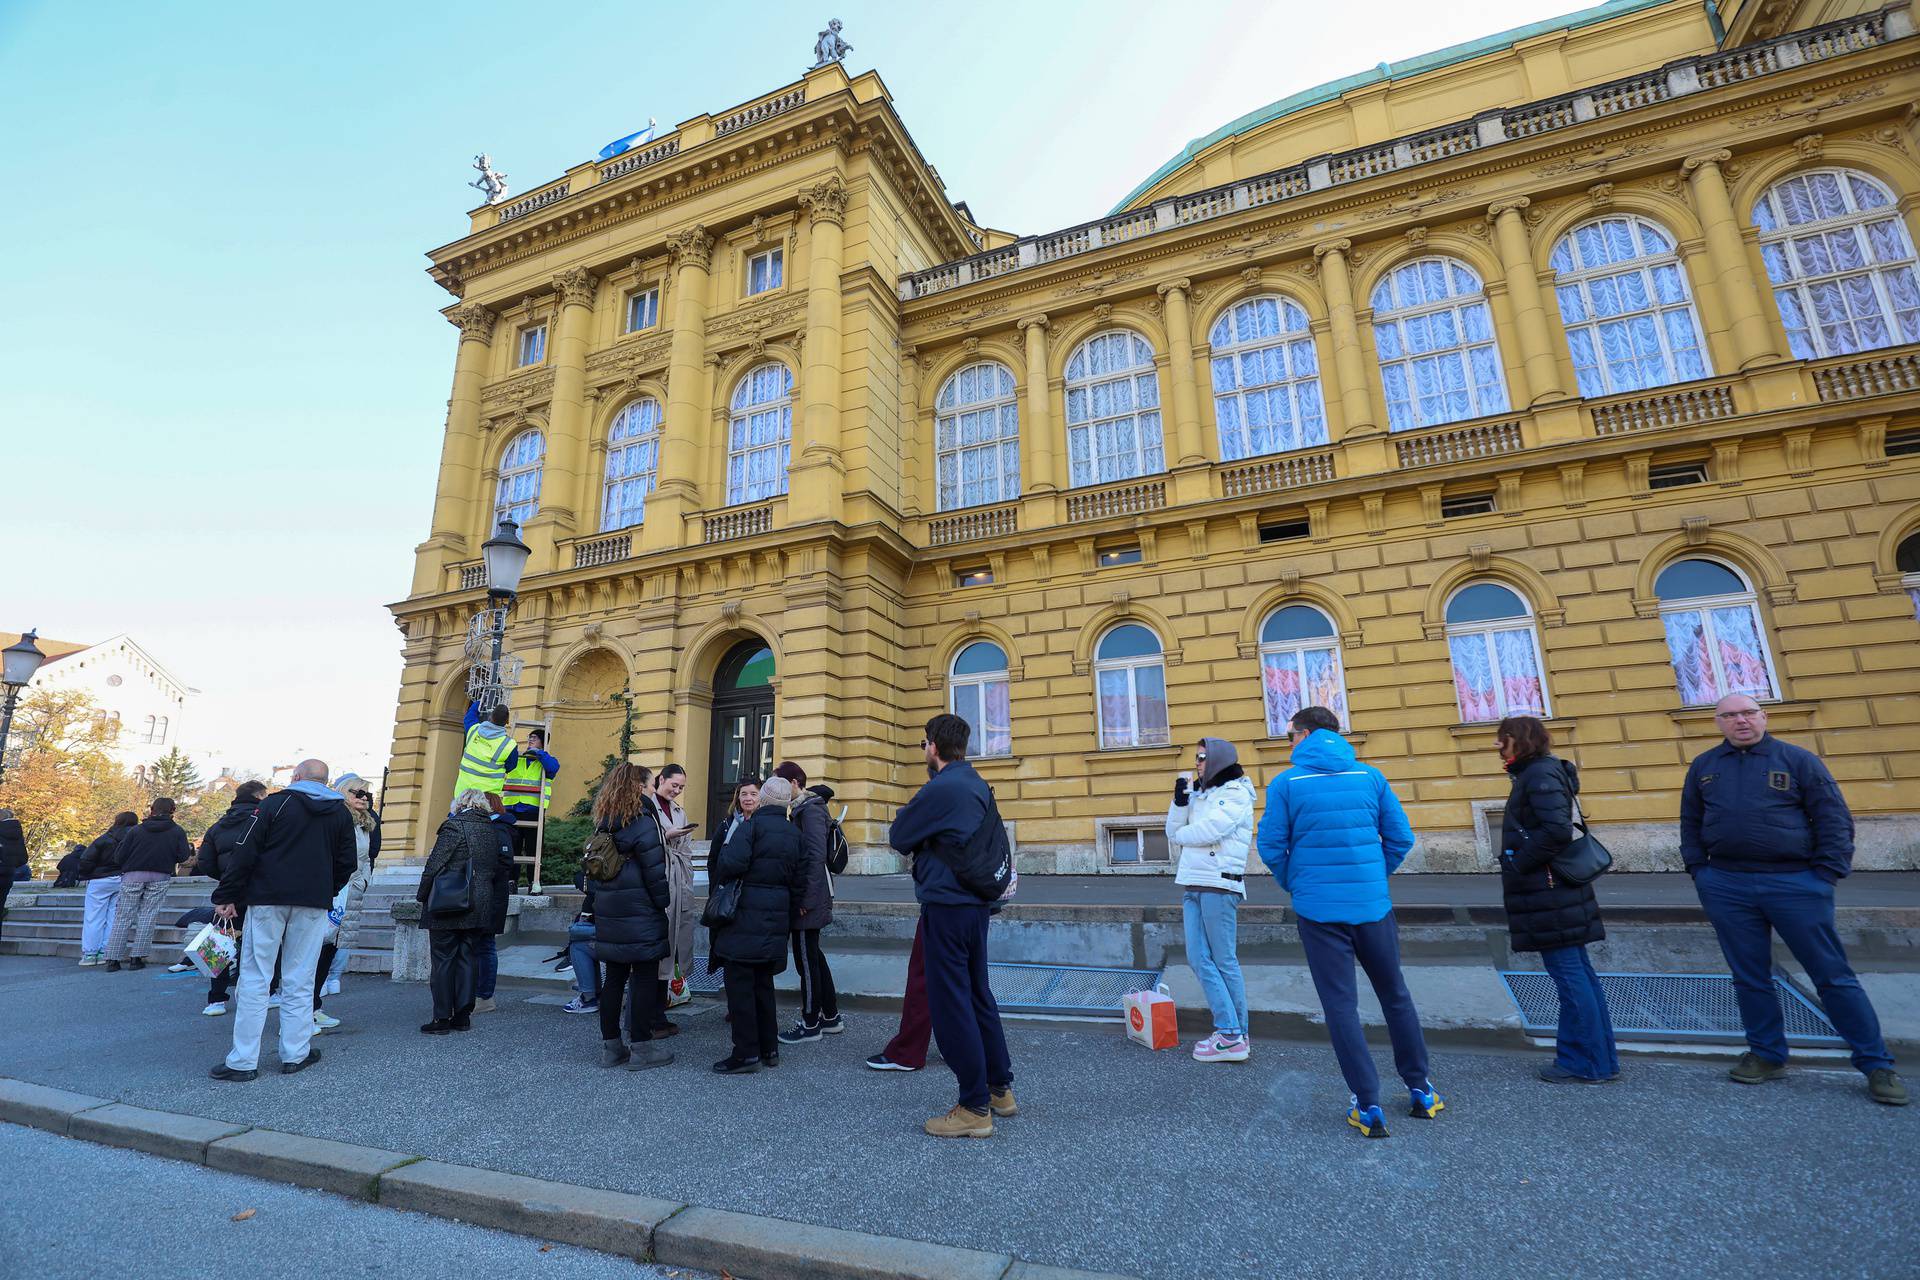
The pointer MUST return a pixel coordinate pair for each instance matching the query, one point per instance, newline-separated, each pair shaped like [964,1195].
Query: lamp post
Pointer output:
[18,663]
[505,559]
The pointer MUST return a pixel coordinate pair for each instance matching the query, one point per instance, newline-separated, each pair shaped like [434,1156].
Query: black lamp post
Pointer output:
[18,663]
[505,559]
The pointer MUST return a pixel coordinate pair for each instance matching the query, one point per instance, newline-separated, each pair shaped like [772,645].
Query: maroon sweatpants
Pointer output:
[909,1046]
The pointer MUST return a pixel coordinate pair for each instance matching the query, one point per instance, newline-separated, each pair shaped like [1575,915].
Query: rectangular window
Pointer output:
[764,271]
[1902,444]
[1466,504]
[1674,475]
[1117,555]
[1284,531]
[973,578]
[533,344]
[1137,846]
[643,309]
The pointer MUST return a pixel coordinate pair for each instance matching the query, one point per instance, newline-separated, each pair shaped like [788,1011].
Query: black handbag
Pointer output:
[723,904]
[452,891]
[1585,859]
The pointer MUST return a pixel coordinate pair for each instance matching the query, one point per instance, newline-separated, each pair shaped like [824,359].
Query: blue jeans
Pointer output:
[1213,926]
[1747,908]
[1332,950]
[486,965]
[1585,1041]
[586,977]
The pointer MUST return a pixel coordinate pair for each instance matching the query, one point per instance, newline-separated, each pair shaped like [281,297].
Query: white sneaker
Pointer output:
[180,966]
[89,959]
[330,988]
[216,1009]
[273,1002]
[325,1022]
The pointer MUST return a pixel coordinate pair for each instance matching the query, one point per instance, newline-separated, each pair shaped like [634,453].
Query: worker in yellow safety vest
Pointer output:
[488,754]
[528,788]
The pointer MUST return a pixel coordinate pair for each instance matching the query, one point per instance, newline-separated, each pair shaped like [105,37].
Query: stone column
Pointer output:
[1741,298]
[459,480]
[566,416]
[677,485]
[1356,399]
[1540,370]
[1189,448]
[1036,426]
[817,474]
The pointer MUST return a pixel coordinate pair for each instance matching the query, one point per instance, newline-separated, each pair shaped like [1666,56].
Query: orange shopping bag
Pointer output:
[1150,1017]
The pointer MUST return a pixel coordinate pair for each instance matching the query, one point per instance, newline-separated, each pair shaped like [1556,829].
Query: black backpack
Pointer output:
[984,863]
[837,848]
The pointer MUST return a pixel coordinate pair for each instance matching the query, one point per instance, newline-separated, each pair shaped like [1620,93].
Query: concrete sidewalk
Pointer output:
[1122,1160]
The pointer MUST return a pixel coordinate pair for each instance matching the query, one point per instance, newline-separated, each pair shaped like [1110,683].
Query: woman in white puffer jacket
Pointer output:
[1211,825]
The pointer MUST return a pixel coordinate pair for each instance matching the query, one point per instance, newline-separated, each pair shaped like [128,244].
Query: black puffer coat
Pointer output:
[630,910]
[101,861]
[467,834]
[1544,912]
[813,905]
[766,854]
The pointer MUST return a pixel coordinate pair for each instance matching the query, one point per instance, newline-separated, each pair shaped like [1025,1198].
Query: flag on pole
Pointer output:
[615,147]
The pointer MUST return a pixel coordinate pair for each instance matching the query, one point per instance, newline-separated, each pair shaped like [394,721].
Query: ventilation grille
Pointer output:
[1026,988]
[1671,1006]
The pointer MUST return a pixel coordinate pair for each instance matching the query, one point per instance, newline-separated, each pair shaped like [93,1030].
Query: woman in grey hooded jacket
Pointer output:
[1211,823]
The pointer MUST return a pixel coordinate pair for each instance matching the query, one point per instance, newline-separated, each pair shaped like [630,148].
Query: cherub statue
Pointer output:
[494,184]
[830,47]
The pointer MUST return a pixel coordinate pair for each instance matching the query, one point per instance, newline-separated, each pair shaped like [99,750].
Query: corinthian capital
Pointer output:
[1326,247]
[691,248]
[1705,158]
[825,201]
[1500,208]
[473,320]
[576,287]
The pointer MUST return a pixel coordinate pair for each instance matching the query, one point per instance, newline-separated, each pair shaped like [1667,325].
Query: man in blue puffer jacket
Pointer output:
[1332,834]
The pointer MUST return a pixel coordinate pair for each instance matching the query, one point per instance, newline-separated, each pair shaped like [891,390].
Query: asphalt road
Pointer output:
[90,1211]
[1142,1163]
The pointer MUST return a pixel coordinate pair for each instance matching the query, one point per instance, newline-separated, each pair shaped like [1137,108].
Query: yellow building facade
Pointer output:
[1572,372]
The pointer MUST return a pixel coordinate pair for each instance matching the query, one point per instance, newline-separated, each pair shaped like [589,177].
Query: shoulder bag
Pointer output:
[723,904]
[452,891]
[1585,859]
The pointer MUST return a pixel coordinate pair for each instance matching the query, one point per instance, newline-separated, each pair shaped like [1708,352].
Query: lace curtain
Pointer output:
[1841,263]
[1266,380]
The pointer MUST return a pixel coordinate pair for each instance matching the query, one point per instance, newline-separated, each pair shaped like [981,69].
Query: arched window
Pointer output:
[1841,263]
[977,437]
[518,497]
[633,460]
[1130,676]
[1496,654]
[1434,333]
[760,437]
[1907,560]
[151,721]
[1266,379]
[1713,633]
[160,733]
[978,693]
[1300,666]
[1113,410]
[1626,307]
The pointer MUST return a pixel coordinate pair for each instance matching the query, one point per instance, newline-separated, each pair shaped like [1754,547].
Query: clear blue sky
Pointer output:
[222,374]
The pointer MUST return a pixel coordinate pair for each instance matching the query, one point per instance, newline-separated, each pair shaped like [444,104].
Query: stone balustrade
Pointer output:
[1858,377]
[1265,475]
[472,575]
[606,549]
[1120,500]
[538,200]
[628,162]
[1432,447]
[970,526]
[1688,76]
[753,114]
[728,525]
[1669,407]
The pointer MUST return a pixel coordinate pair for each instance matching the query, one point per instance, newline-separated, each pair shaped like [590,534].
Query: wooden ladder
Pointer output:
[538,824]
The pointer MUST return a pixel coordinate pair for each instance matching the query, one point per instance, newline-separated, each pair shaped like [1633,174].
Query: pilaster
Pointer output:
[677,487]
[817,475]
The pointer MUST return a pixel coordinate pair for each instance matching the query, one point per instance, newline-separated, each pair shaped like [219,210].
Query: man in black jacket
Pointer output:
[216,856]
[13,854]
[285,868]
[1765,834]
[149,856]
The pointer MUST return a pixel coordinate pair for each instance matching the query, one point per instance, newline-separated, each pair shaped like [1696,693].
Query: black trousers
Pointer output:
[451,976]
[643,1004]
[966,1021]
[749,989]
[818,999]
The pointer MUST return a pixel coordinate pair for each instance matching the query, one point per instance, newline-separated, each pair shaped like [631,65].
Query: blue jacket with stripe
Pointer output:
[1333,832]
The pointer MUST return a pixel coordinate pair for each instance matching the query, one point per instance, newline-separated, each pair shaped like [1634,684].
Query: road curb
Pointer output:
[610,1221]
[158,1133]
[339,1167]
[39,1106]
[741,1245]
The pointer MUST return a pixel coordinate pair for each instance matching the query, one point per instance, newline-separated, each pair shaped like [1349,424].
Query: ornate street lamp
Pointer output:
[505,558]
[18,663]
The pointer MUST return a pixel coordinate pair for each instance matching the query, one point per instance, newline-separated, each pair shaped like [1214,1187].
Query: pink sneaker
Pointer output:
[1220,1047]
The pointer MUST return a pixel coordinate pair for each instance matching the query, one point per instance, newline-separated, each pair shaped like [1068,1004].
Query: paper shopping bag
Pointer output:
[677,992]
[212,950]
[1150,1017]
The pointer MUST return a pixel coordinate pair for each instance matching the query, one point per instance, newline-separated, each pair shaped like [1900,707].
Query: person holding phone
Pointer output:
[682,912]
[1211,823]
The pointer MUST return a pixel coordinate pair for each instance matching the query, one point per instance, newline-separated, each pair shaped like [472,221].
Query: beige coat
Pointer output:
[681,916]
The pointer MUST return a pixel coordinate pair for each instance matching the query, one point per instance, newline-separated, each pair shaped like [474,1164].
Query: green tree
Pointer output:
[175,775]
[61,780]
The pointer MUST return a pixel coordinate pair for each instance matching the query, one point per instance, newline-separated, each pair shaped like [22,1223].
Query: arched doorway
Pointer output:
[587,714]
[742,723]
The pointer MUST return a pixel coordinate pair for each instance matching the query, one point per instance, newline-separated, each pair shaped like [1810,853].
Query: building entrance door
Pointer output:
[743,715]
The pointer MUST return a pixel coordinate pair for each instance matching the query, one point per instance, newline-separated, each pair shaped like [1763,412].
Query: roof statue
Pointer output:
[494,184]
[830,47]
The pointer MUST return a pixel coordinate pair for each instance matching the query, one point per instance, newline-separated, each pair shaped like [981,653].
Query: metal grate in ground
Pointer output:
[1671,1006]
[1024,988]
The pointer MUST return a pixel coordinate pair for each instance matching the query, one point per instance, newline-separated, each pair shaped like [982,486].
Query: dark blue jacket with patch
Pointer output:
[1769,807]
[943,814]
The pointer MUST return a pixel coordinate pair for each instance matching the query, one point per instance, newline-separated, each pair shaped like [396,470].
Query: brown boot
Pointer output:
[961,1123]
[1001,1103]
